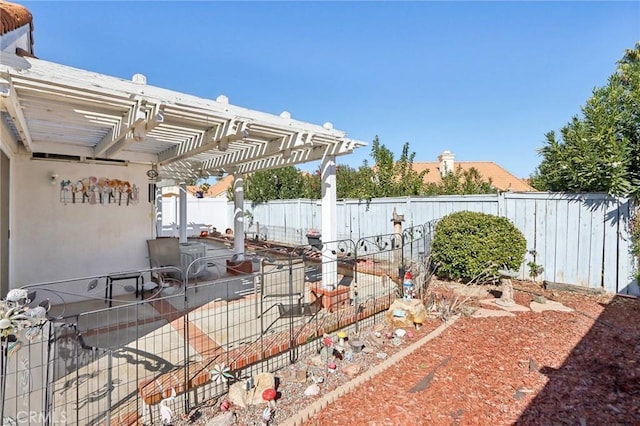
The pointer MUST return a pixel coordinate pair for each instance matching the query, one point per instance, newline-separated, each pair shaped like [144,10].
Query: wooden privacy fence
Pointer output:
[579,239]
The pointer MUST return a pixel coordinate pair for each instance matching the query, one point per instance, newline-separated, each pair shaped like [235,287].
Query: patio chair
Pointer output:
[284,281]
[165,253]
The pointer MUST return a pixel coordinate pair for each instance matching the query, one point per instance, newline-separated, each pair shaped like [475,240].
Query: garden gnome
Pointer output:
[407,286]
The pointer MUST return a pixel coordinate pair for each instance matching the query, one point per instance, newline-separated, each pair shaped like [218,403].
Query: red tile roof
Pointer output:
[218,189]
[14,16]
[500,178]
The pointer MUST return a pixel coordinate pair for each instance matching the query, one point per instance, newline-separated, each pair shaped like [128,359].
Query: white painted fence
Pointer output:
[580,239]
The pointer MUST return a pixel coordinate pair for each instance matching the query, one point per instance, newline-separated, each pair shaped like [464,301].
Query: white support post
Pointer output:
[329,221]
[238,215]
[158,211]
[182,221]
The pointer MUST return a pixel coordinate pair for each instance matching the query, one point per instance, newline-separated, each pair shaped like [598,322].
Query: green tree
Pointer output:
[462,182]
[278,184]
[600,149]
[390,178]
[408,181]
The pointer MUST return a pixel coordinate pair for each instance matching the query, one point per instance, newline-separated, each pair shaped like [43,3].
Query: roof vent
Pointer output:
[328,125]
[285,114]
[139,79]
[222,99]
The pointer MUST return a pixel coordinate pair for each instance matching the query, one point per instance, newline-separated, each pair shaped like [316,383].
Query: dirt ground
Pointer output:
[548,368]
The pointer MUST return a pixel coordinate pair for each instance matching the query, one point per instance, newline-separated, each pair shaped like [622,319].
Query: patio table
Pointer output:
[108,291]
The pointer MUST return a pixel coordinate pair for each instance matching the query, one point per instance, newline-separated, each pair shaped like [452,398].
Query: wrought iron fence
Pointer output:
[116,358]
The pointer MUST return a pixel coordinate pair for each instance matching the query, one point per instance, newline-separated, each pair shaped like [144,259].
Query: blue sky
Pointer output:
[485,80]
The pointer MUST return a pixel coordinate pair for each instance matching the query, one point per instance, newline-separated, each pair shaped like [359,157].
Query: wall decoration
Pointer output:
[102,191]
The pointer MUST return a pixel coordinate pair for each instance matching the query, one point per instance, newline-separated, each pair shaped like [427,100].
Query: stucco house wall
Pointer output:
[52,240]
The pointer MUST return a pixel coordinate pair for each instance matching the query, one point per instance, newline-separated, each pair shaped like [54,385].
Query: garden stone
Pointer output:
[351,370]
[263,381]
[538,298]
[550,305]
[513,307]
[406,313]
[296,376]
[238,393]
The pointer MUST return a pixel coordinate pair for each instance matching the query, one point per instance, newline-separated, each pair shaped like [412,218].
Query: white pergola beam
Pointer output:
[116,134]
[92,115]
[257,150]
[204,142]
[133,127]
[11,104]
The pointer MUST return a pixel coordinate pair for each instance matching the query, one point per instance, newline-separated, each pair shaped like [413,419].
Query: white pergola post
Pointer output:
[182,221]
[158,211]
[329,231]
[238,215]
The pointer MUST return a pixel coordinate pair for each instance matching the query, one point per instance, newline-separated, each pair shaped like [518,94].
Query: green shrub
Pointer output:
[474,246]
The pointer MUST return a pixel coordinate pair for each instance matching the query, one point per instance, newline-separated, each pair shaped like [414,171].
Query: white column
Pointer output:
[158,211]
[328,229]
[238,215]
[182,221]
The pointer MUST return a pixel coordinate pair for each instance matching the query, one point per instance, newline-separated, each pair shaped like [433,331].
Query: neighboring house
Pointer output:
[216,190]
[500,178]
[219,189]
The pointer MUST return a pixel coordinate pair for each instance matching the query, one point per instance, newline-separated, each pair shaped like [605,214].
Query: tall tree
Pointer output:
[462,182]
[408,181]
[278,184]
[383,170]
[390,178]
[599,150]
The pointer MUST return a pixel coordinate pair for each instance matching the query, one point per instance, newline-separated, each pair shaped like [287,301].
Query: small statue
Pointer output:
[407,286]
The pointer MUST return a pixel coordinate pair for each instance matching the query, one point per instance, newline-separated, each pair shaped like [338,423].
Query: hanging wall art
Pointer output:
[99,191]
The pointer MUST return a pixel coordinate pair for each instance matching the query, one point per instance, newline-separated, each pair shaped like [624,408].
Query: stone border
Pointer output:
[309,411]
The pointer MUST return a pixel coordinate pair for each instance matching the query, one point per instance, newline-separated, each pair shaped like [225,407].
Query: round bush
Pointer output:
[474,246]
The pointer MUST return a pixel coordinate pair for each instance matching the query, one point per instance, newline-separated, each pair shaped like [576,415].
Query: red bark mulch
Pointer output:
[550,368]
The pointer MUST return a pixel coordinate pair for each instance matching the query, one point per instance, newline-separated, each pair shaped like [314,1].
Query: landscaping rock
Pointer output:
[510,307]
[262,382]
[297,376]
[538,298]
[238,393]
[406,313]
[550,305]
[352,370]
[488,313]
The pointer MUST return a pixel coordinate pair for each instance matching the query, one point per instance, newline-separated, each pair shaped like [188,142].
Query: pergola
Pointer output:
[57,111]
